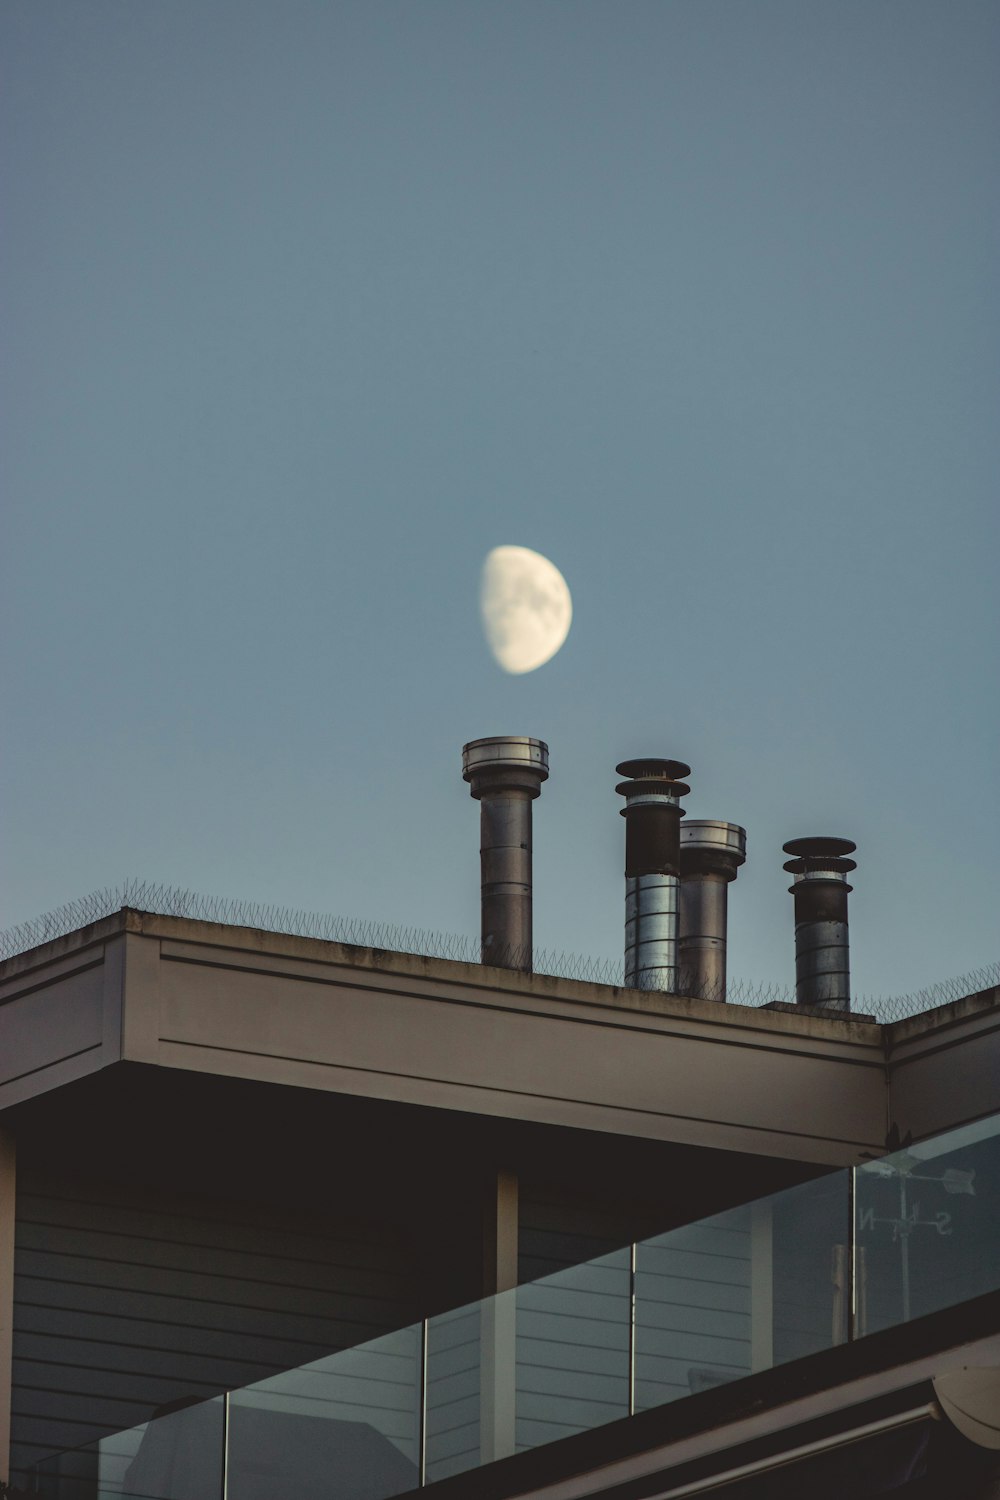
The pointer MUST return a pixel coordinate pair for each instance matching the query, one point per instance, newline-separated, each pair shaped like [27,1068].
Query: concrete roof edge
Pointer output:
[53,949]
[982,1002]
[443,971]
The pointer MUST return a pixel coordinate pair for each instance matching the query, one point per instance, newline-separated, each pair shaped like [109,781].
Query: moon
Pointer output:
[526,608]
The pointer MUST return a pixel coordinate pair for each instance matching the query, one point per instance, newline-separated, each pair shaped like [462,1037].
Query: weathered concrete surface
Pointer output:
[358,1021]
[60,1010]
[299,1011]
[944,1065]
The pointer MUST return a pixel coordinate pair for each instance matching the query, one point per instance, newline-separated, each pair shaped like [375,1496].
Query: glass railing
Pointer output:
[710,1302]
[181,1453]
[927,1227]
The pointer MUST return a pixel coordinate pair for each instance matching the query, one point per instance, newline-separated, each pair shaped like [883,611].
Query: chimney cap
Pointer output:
[819,848]
[505,762]
[712,836]
[646,768]
[645,787]
[820,858]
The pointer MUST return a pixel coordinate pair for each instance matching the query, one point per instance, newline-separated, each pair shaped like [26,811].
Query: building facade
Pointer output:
[363,1222]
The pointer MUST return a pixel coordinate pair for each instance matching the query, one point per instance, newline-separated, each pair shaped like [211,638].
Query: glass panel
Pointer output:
[692,1308]
[714,1300]
[810,1251]
[350,1421]
[174,1457]
[741,1291]
[456,1422]
[572,1350]
[928,1226]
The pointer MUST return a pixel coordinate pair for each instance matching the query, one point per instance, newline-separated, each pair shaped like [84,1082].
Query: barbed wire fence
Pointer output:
[172,901]
[889,1008]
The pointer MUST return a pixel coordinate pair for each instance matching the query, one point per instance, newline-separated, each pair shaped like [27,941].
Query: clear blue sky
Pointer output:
[308,305]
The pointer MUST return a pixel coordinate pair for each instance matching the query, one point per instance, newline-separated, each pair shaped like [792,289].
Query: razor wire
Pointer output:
[388,937]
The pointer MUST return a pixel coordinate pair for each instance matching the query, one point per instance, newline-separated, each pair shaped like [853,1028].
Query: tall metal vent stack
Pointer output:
[505,775]
[652,814]
[711,853]
[822,947]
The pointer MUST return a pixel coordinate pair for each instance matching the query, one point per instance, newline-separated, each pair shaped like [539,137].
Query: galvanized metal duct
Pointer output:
[822,941]
[711,853]
[652,814]
[505,774]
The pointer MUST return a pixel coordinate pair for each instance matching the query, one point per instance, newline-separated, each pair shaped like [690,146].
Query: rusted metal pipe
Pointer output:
[822,938]
[711,853]
[505,774]
[652,814]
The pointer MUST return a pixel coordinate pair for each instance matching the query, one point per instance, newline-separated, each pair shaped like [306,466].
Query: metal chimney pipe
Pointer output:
[652,814]
[822,947]
[505,775]
[711,852]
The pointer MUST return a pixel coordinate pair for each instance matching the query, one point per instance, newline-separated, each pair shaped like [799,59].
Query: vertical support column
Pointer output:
[652,814]
[761,1286]
[497,1394]
[500,1233]
[7,1207]
[505,775]
[498,1319]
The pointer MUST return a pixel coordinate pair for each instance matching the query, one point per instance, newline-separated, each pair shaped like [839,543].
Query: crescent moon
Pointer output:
[526,608]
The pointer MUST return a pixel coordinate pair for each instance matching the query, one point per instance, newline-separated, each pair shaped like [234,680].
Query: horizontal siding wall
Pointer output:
[454,1347]
[572,1326]
[128,1300]
[573,1350]
[557,1230]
